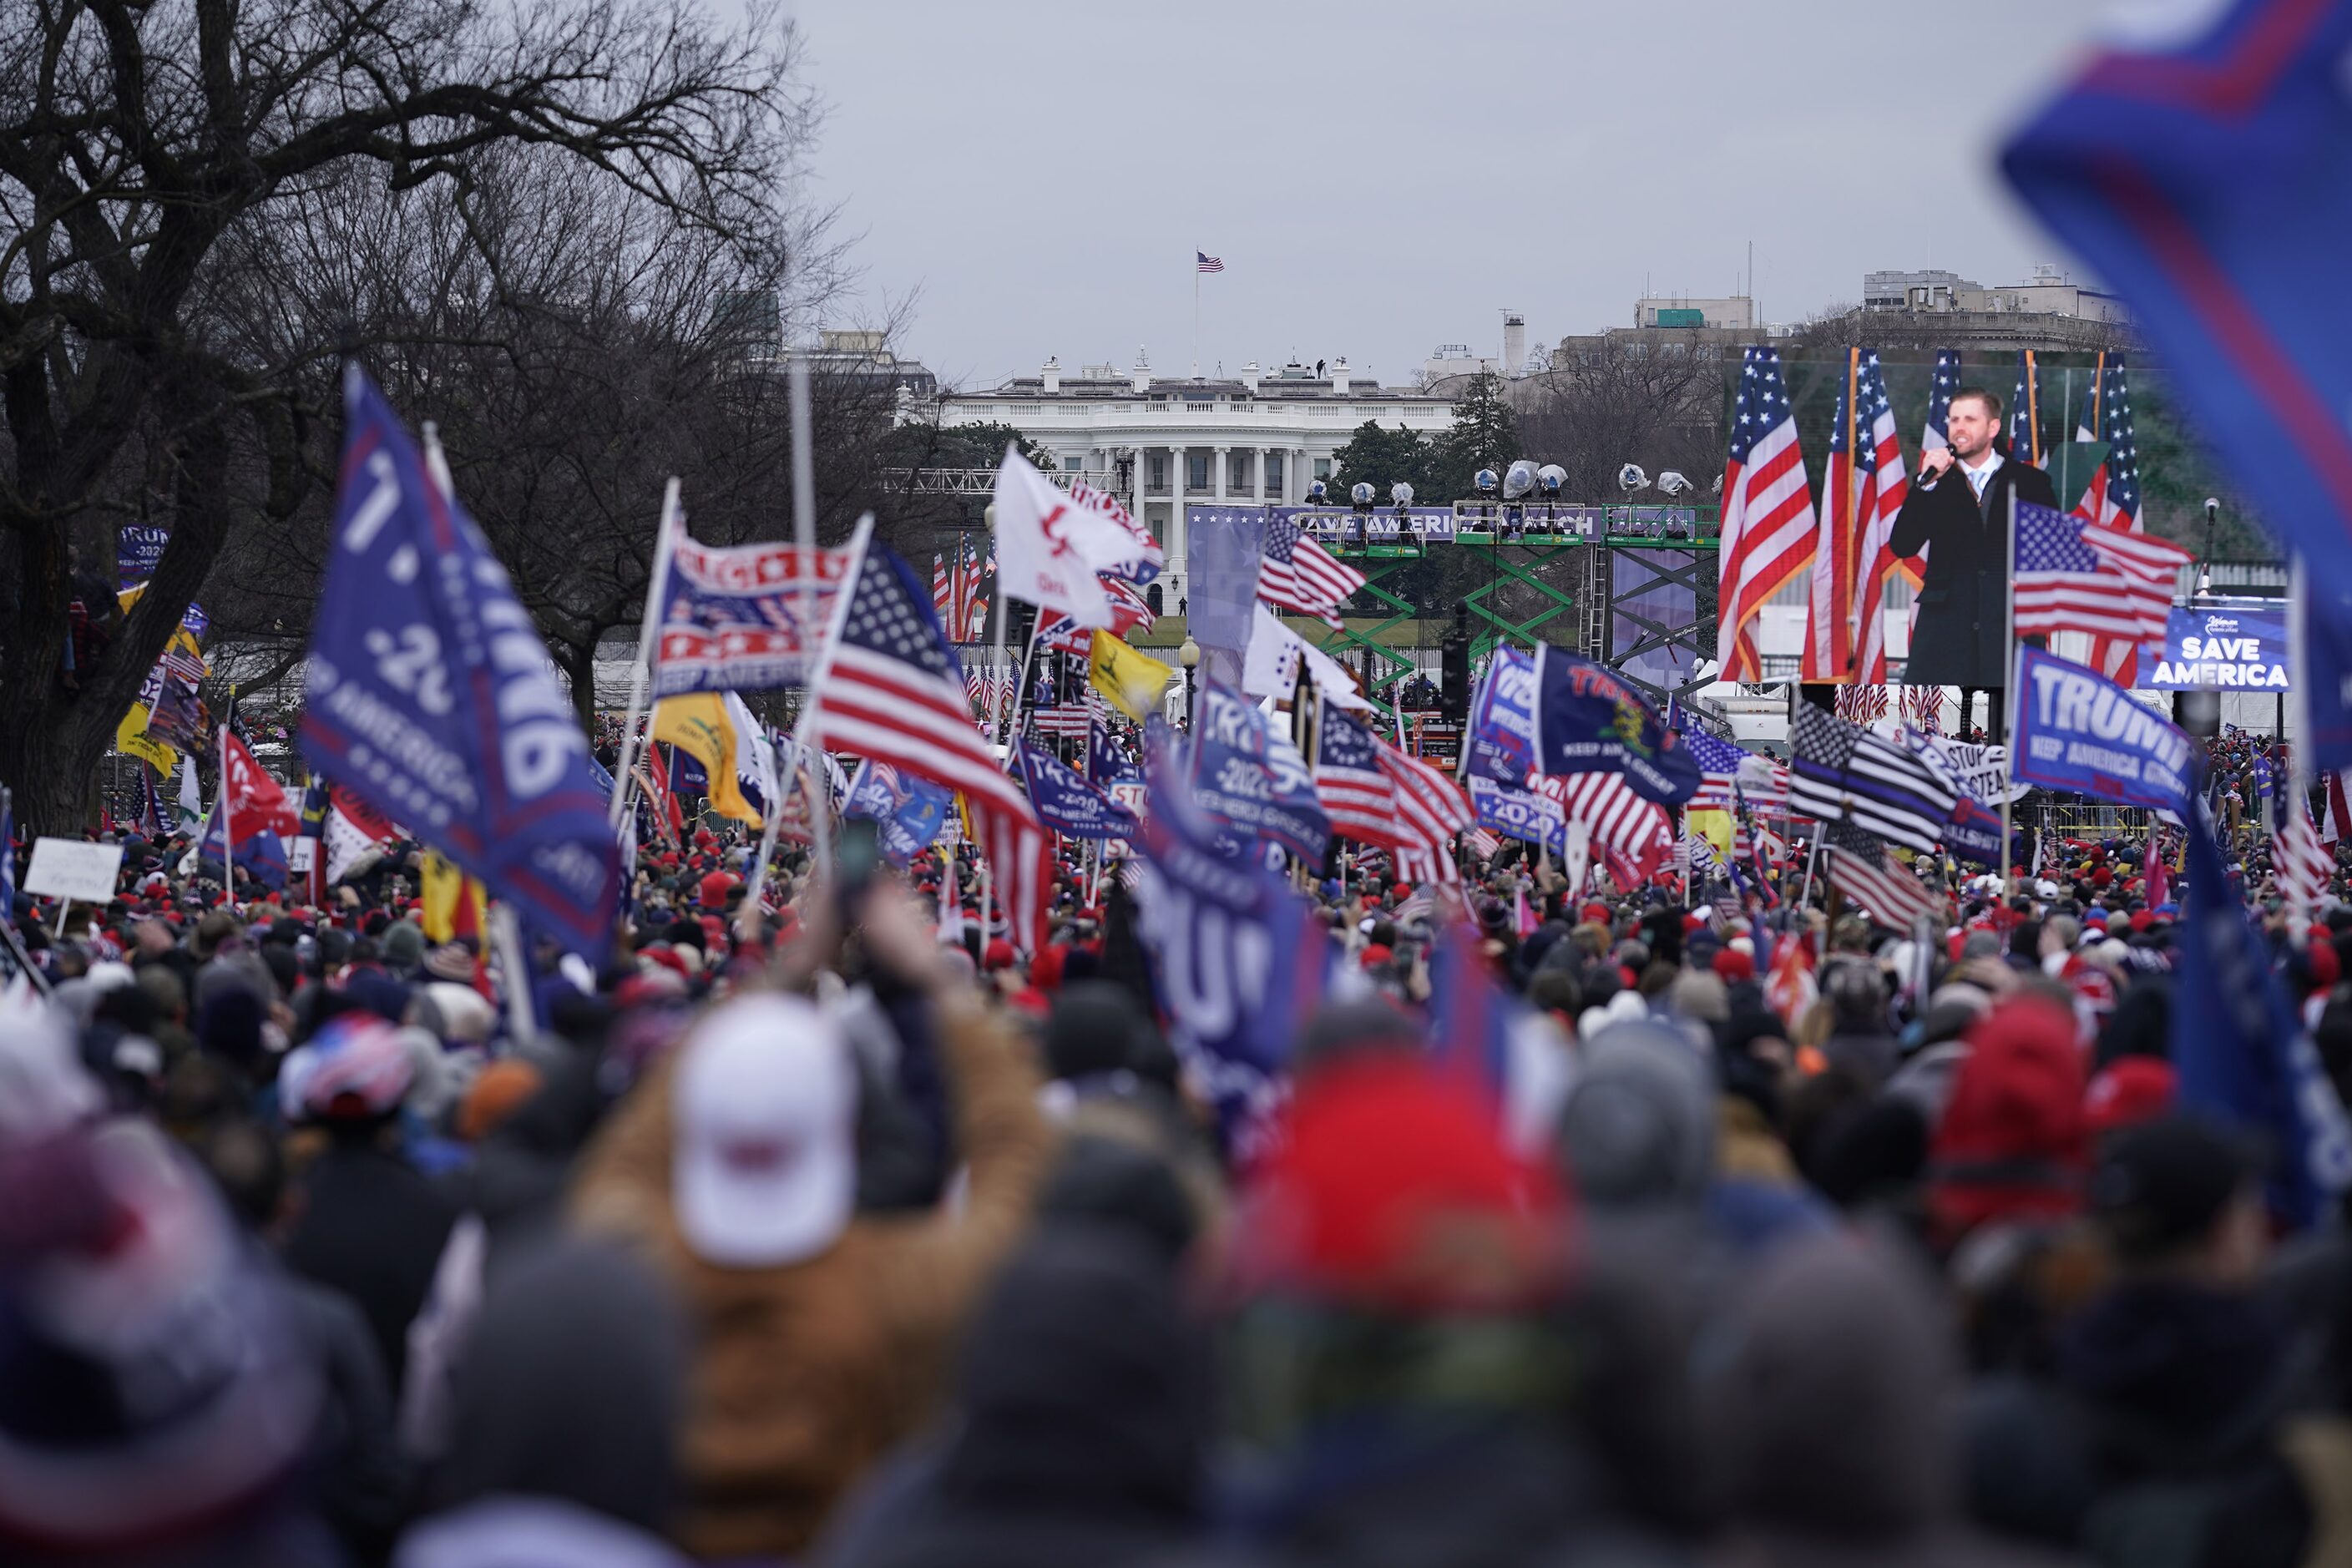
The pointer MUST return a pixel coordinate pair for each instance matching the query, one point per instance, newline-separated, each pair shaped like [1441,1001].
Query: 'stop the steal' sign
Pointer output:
[2077,730]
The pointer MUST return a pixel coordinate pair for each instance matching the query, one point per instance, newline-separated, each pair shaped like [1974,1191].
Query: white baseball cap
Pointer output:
[764,1170]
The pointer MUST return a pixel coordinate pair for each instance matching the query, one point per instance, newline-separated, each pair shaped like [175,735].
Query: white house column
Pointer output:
[1175,542]
[1257,477]
[1225,457]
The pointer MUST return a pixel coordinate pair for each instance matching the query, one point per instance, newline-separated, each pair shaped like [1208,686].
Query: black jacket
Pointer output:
[372,1228]
[1956,639]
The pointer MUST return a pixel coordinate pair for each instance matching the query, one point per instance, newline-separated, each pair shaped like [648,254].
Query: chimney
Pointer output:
[1053,375]
[1515,343]
[1140,376]
[1249,377]
[1340,373]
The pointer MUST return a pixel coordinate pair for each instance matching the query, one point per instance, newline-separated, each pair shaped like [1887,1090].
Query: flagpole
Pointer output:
[803,728]
[804,534]
[665,542]
[2299,758]
[228,837]
[1196,315]
[2015,693]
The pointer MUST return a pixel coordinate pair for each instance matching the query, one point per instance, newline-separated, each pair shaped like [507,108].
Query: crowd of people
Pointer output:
[813,1230]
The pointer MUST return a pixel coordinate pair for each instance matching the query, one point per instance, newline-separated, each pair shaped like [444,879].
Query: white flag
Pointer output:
[192,804]
[1048,547]
[1270,666]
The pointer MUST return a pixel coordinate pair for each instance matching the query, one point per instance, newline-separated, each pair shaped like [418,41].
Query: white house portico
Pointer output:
[1161,444]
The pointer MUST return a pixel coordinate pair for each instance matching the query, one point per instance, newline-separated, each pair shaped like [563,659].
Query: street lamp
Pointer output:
[2205,567]
[1189,655]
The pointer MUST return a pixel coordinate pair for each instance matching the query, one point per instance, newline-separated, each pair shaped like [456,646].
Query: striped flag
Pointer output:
[1431,809]
[1923,708]
[1841,772]
[1862,489]
[1296,573]
[1862,704]
[891,691]
[1719,762]
[2302,863]
[1769,527]
[2025,413]
[1880,487]
[1086,495]
[942,591]
[1634,833]
[1860,866]
[2072,576]
[1356,791]
[1204,262]
[1939,399]
[2113,499]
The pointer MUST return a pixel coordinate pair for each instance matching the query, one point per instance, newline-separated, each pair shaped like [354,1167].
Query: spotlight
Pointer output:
[1550,477]
[1519,480]
[1486,481]
[1671,483]
[1401,495]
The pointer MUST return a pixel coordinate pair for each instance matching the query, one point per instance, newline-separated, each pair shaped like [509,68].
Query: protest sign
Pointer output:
[69,868]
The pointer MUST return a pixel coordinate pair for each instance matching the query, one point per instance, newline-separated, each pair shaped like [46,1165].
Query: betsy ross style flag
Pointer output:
[890,691]
[1296,573]
[1204,262]
[1945,382]
[2072,576]
[2024,425]
[1768,526]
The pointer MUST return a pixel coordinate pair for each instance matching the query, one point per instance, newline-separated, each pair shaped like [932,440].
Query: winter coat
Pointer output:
[806,1373]
[1080,1426]
[2165,1440]
[1955,637]
[373,1227]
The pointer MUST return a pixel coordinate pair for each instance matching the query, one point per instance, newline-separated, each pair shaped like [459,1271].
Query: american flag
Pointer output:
[1862,704]
[1923,708]
[1633,830]
[1842,773]
[1858,864]
[1718,763]
[1431,809]
[891,693]
[1946,382]
[1838,555]
[1204,262]
[1357,792]
[943,593]
[2106,581]
[1128,610]
[2113,499]
[1483,844]
[989,687]
[1296,573]
[2302,862]
[972,609]
[1768,512]
[2025,413]
[1879,487]
[1066,721]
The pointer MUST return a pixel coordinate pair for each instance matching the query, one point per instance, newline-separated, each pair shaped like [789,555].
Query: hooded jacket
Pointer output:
[806,1373]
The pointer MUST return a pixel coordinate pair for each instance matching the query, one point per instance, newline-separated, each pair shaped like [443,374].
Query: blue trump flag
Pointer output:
[1587,718]
[909,811]
[1251,779]
[2210,182]
[1067,803]
[1519,814]
[431,696]
[260,856]
[1105,764]
[1501,744]
[1236,961]
[2077,730]
[2241,1051]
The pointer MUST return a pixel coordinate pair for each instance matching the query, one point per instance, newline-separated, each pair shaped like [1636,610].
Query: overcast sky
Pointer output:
[1380,176]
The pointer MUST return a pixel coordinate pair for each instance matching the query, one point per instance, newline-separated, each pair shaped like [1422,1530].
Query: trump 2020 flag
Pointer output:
[907,810]
[2242,1053]
[1067,803]
[431,699]
[2209,181]
[2078,730]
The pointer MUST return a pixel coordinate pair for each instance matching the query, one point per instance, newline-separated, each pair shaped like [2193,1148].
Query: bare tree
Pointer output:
[184,181]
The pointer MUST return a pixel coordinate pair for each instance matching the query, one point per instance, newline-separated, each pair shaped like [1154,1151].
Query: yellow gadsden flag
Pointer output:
[699,726]
[1133,681]
[454,904]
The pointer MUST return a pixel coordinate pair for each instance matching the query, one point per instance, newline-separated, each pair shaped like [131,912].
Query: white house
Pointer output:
[1161,442]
